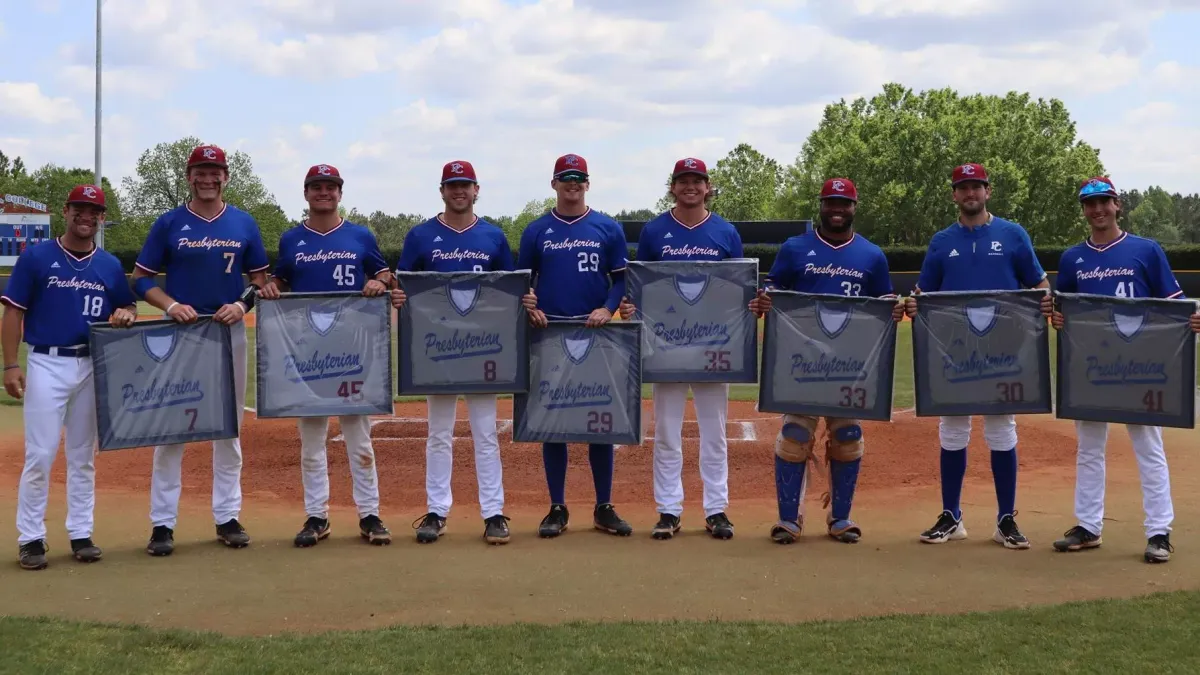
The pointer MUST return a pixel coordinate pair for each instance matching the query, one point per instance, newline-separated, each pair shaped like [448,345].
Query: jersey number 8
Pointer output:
[589,262]
[343,275]
[93,305]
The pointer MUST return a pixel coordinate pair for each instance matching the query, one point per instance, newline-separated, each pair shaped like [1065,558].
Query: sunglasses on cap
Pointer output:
[1096,188]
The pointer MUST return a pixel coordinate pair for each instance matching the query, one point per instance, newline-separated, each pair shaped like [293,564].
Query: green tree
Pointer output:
[1155,216]
[637,215]
[747,184]
[899,148]
[51,184]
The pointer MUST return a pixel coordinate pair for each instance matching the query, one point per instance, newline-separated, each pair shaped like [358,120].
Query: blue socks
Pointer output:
[844,477]
[789,476]
[554,457]
[954,468]
[1004,474]
[601,459]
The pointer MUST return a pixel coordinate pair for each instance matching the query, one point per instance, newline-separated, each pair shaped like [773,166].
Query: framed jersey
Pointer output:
[464,333]
[163,383]
[981,353]
[586,385]
[697,324]
[1130,361]
[828,355]
[323,354]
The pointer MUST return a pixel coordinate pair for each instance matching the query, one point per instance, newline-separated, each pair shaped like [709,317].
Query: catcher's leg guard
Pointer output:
[793,447]
[844,449]
[785,532]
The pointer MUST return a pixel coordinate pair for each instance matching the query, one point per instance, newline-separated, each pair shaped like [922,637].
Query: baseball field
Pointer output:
[589,602]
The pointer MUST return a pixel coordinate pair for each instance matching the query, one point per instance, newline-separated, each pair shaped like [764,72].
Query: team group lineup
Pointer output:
[577,258]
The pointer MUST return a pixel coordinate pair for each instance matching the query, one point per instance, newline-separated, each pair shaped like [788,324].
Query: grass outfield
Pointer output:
[1147,634]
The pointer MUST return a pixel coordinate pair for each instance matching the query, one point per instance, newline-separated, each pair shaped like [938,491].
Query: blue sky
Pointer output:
[389,90]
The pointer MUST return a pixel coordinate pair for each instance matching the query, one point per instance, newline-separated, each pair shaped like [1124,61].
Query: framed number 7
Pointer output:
[192,413]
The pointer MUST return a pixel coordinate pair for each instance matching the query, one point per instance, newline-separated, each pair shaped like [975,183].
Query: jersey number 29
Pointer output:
[589,262]
[93,305]
[343,275]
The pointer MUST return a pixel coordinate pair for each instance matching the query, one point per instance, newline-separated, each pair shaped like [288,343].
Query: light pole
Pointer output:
[100,232]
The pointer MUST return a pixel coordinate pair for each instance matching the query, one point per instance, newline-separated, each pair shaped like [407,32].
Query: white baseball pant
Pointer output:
[999,431]
[711,402]
[166,483]
[1152,467]
[58,392]
[314,464]
[439,453]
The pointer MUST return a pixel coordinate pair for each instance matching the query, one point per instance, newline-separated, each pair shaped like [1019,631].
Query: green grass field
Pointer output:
[1150,634]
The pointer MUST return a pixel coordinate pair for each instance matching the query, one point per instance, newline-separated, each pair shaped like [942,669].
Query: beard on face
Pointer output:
[829,226]
[973,209]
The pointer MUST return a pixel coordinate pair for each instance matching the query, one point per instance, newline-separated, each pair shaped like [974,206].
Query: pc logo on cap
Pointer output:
[969,172]
[839,188]
[689,165]
[207,154]
[569,166]
[322,172]
[1099,186]
[87,194]
[458,171]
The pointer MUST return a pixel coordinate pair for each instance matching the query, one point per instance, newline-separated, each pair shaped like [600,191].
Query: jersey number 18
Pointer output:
[93,305]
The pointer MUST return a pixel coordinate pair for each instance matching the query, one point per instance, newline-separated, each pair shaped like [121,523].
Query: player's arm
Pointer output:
[879,285]
[617,257]
[1067,283]
[1162,280]
[380,277]
[410,261]
[781,276]
[150,261]
[1029,269]
[10,336]
[735,243]
[255,265]
[930,278]
[503,262]
[121,298]
[646,252]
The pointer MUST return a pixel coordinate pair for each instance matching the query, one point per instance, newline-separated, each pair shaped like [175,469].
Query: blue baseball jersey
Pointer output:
[342,259]
[578,263]
[665,238]
[997,256]
[204,259]
[808,263]
[1127,267]
[61,294]
[433,246]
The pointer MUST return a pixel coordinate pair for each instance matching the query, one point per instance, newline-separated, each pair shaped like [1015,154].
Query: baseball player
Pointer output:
[689,231]
[832,259]
[57,289]
[457,240]
[577,257]
[1112,262]
[980,252]
[204,247]
[327,254]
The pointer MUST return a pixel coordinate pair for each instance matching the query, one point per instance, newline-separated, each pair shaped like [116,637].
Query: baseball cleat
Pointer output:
[1159,549]
[1076,539]
[85,551]
[162,541]
[605,519]
[668,526]
[429,527]
[945,529]
[555,522]
[372,529]
[232,534]
[845,530]
[785,532]
[33,555]
[1008,536]
[718,526]
[315,529]
[495,530]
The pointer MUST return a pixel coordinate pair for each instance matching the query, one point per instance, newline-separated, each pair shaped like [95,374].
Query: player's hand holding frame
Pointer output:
[182,313]
[374,288]
[626,308]
[398,298]
[269,291]
[229,314]
[122,317]
[761,304]
[599,317]
[1056,317]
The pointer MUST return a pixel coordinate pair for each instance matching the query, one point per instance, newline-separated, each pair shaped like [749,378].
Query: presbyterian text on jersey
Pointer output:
[689,251]
[325,256]
[1118,371]
[832,270]
[154,395]
[828,368]
[461,345]
[977,365]
[321,366]
[574,394]
[1101,274]
[459,254]
[209,243]
[75,283]
[691,334]
[570,244]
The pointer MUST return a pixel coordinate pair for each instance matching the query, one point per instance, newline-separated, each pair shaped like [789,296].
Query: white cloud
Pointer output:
[1174,75]
[137,81]
[25,101]
[311,132]
[312,57]
[1155,113]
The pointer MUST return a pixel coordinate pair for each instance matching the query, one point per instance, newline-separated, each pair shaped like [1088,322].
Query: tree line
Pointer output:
[898,147]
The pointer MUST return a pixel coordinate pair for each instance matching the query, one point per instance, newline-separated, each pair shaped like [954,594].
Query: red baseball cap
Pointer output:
[457,171]
[207,154]
[571,165]
[88,194]
[322,172]
[1099,186]
[689,165]
[839,188]
[969,172]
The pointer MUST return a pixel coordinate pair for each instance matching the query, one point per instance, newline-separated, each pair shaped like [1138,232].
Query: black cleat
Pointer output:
[668,526]
[1159,549]
[945,529]
[162,541]
[33,555]
[85,551]
[1077,538]
[555,522]
[371,528]
[605,519]
[495,530]
[429,527]
[1008,536]
[315,529]
[232,534]
[718,526]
